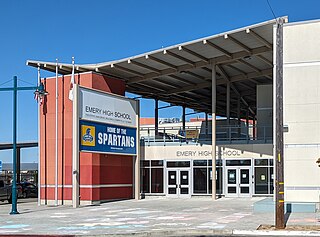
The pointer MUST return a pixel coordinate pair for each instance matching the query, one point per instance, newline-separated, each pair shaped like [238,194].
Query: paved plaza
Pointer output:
[156,216]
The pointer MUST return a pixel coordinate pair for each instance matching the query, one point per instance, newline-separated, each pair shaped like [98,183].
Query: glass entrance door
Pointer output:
[239,182]
[178,183]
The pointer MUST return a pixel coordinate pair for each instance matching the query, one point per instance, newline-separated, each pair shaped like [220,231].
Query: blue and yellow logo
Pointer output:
[88,135]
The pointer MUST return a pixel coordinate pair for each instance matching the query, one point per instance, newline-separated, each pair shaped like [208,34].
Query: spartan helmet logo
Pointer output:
[88,137]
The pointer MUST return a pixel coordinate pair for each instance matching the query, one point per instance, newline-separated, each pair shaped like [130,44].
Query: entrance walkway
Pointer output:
[160,216]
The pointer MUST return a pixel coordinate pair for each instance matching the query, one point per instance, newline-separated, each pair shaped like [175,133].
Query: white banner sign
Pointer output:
[107,108]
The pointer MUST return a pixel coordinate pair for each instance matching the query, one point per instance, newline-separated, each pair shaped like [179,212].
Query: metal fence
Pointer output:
[201,134]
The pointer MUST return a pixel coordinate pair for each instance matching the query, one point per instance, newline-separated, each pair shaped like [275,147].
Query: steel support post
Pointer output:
[156,118]
[18,164]
[137,195]
[184,119]
[14,155]
[228,103]
[213,136]
[75,148]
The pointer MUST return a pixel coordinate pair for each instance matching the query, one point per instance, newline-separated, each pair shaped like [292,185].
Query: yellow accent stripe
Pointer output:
[281,192]
[282,183]
[281,200]
[279,157]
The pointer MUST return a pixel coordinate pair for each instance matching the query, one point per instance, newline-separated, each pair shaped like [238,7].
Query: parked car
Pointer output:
[6,191]
[28,190]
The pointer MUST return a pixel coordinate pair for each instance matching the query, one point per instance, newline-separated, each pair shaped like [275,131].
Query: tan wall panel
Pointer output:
[302,133]
[301,85]
[301,42]
[187,152]
[301,196]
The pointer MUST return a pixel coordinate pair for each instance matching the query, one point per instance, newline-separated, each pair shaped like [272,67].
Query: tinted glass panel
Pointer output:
[244,176]
[218,162]
[157,163]
[172,177]
[157,180]
[271,186]
[271,162]
[178,163]
[261,162]
[172,191]
[145,163]
[232,176]
[261,180]
[244,190]
[184,177]
[200,180]
[184,190]
[219,181]
[145,178]
[232,190]
[200,163]
[210,180]
[238,162]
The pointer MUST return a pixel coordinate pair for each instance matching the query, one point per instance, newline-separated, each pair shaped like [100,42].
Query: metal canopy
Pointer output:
[181,74]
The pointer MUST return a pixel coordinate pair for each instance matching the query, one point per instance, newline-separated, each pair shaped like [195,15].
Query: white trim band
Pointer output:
[89,186]
[302,64]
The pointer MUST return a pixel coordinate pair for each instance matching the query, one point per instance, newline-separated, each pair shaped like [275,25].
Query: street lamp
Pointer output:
[40,92]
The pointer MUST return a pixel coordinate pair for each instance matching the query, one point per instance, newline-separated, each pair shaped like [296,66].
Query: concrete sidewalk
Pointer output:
[156,217]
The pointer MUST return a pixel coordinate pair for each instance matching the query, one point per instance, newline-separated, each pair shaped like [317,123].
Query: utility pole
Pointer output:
[279,182]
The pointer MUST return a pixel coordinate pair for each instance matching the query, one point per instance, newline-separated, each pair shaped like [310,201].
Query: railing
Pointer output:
[201,134]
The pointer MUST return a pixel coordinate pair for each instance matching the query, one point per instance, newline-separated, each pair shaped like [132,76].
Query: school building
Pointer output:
[229,76]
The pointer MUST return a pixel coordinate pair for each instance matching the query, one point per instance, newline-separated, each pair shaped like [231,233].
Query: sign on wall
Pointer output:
[107,108]
[107,123]
[107,138]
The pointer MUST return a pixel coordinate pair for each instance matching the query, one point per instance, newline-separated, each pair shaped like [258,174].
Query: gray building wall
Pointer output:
[264,111]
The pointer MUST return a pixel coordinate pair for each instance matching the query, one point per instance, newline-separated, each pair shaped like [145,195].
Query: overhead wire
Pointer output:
[26,82]
[6,82]
[274,15]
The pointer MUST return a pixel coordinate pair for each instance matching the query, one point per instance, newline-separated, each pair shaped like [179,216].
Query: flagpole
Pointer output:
[39,145]
[71,81]
[56,150]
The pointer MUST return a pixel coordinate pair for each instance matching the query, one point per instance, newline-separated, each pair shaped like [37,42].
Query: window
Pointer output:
[263,172]
[200,180]
[157,180]
[238,162]
[202,176]
[152,176]
[178,164]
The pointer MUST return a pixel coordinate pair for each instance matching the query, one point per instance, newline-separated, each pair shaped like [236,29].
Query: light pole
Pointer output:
[39,91]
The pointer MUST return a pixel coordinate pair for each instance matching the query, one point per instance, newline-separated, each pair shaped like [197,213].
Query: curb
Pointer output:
[172,233]
[275,233]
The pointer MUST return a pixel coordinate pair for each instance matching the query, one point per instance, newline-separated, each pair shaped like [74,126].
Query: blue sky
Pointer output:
[97,31]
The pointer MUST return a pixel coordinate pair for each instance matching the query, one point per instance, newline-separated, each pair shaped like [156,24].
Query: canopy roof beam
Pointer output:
[207,42]
[233,87]
[216,60]
[194,54]
[161,62]
[259,38]
[144,66]
[249,65]
[265,60]
[220,82]
[237,42]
